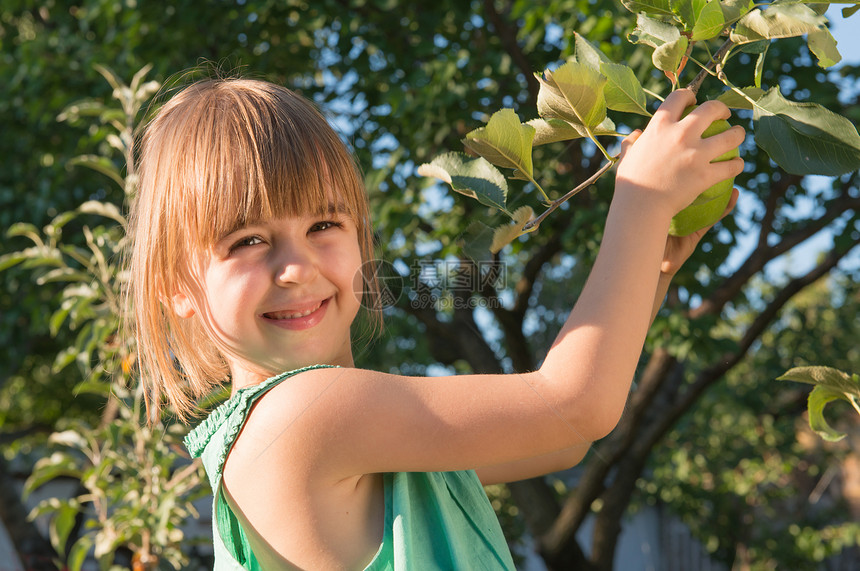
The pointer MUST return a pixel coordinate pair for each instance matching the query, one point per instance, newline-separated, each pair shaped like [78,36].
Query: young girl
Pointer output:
[249,232]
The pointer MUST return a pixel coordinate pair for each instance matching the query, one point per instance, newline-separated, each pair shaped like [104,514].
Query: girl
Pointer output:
[249,232]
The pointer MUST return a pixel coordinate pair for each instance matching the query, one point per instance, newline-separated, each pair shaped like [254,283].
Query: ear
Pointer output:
[182,305]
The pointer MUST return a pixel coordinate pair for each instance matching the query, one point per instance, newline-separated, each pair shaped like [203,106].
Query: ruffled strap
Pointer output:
[229,417]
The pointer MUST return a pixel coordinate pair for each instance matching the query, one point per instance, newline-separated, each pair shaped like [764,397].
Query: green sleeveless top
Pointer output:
[433,520]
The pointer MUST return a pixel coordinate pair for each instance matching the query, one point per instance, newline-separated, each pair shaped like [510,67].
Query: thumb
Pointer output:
[628,141]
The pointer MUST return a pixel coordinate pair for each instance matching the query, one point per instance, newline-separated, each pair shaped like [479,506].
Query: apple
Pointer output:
[710,205]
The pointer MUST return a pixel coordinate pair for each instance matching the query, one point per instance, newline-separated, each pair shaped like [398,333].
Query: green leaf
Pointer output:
[100,164]
[474,177]
[734,10]
[825,376]
[70,438]
[63,359]
[88,108]
[12,259]
[668,43]
[759,67]
[668,56]
[505,234]
[778,21]
[846,12]
[59,221]
[786,21]
[61,526]
[91,387]
[704,19]
[822,43]
[46,507]
[653,32]
[818,399]
[59,317]
[476,240]
[64,274]
[830,384]
[805,138]
[736,101]
[758,47]
[23,229]
[658,7]
[504,141]
[78,553]
[622,91]
[688,11]
[587,53]
[554,130]
[573,92]
[53,466]
[106,209]
[709,22]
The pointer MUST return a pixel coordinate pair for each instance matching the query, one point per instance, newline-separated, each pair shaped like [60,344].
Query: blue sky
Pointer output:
[847,40]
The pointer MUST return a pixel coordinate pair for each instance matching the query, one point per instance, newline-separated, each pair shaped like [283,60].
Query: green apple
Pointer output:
[711,204]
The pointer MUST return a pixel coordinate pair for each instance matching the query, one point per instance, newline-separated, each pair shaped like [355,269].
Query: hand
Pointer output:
[670,164]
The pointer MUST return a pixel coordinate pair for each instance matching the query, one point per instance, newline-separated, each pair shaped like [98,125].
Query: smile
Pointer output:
[298,319]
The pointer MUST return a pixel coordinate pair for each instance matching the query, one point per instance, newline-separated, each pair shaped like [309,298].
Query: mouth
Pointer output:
[292,313]
[298,317]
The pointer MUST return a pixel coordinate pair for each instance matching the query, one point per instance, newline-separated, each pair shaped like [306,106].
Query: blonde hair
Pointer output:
[220,154]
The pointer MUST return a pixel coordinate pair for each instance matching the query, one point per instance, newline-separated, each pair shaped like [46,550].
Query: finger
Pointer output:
[628,141]
[708,112]
[722,170]
[724,142]
[673,107]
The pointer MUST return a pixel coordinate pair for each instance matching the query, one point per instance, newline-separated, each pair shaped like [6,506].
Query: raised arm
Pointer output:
[666,168]
[345,422]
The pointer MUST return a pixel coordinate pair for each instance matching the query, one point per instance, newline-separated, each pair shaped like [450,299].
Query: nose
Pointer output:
[295,264]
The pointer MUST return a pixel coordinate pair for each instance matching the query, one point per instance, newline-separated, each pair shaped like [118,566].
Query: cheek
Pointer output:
[358,285]
[350,268]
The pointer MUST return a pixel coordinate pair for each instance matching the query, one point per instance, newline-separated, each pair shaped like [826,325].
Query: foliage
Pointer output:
[405,82]
[135,496]
[743,471]
[830,385]
[803,138]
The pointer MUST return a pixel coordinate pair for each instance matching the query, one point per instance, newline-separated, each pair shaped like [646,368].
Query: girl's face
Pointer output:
[279,294]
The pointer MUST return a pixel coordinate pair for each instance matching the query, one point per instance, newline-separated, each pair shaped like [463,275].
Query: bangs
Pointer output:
[251,153]
[220,155]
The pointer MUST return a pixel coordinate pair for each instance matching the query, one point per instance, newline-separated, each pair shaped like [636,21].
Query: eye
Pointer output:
[325,225]
[246,241]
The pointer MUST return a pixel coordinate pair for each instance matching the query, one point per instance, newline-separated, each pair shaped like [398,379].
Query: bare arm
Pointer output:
[352,421]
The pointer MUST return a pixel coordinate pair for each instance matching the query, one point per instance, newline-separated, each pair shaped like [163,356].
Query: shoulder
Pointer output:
[288,418]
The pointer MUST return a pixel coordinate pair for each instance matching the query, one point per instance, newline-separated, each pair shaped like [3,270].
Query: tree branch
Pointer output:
[770,206]
[712,63]
[459,338]
[631,465]
[610,451]
[627,449]
[761,256]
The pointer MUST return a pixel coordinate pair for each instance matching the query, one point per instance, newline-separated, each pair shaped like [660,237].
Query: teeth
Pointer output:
[285,315]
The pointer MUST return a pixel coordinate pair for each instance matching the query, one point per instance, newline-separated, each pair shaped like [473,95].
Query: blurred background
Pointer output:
[714,465]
